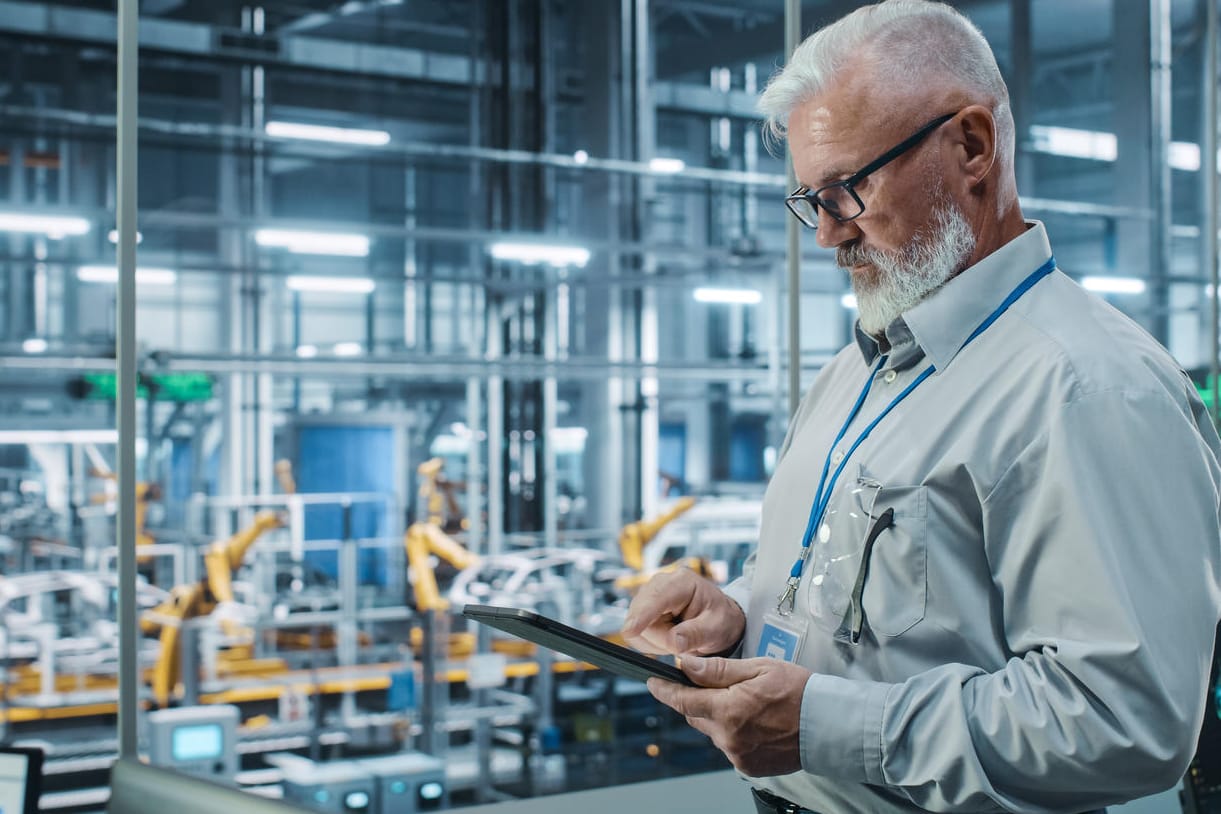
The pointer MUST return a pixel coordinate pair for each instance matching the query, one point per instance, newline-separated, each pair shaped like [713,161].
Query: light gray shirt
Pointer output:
[1039,618]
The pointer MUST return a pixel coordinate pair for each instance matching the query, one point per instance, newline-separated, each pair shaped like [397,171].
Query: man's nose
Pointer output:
[832,233]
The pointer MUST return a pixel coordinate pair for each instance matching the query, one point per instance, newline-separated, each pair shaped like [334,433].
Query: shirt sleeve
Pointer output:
[1103,542]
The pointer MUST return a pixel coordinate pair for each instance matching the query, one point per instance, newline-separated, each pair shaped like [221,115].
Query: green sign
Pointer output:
[1206,394]
[163,386]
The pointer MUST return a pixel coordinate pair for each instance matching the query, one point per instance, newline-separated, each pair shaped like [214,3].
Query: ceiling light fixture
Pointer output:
[34,344]
[848,301]
[1114,285]
[347,349]
[534,253]
[110,275]
[53,226]
[344,244]
[334,135]
[667,166]
[338,285]
[730,296]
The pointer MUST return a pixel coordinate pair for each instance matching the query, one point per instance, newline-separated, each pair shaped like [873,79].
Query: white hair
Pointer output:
[909,45]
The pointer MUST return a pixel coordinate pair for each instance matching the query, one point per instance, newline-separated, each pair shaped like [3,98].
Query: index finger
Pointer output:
[660,600]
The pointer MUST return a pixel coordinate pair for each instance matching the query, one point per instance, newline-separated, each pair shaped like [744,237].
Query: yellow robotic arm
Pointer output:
[421,540]
[635,536]
[224,558]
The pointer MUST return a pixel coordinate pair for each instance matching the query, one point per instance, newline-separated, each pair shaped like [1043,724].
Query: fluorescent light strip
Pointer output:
[848,301]
[667,166]
[348,349]
[307,351]
[334,135]
[1114,285]
[1099,145]
[110,275]
[113,237]
[34,344]
[339,285]
[534,253]
[59,436]
[53,226]
[731,296]
[343,244]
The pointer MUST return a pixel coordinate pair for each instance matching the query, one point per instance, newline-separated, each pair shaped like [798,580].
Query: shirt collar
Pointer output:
[938,325]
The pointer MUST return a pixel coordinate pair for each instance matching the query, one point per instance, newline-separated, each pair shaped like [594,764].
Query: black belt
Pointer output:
[768,803]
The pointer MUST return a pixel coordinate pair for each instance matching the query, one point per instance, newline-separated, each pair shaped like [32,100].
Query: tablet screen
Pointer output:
[557,636]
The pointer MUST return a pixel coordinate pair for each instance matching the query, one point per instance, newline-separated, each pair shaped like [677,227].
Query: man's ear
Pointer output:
[974,133]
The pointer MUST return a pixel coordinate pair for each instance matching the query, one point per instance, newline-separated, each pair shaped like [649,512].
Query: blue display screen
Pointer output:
[198,742]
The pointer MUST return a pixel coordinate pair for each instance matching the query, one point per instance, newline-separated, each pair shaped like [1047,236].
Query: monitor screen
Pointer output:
[14,772]
[196,742]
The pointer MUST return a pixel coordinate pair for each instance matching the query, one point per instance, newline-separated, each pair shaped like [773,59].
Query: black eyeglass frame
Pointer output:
[803,195]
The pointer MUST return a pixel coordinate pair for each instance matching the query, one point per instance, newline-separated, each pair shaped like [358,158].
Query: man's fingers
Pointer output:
[690,702]
[721,673]
[659,599]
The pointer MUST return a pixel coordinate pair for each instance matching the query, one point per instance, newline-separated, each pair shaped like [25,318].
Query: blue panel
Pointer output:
[746,441]
[346,459]
[672,450]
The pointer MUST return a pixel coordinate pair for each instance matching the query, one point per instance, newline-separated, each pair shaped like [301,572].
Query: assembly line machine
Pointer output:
[336,671]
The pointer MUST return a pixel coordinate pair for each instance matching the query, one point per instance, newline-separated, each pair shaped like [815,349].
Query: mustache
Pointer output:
[854,254]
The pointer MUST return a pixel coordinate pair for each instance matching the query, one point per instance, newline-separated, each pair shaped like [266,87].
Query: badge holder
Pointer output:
[782,637]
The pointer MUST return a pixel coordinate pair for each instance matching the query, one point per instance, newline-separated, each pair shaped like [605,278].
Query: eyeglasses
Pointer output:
[840,200]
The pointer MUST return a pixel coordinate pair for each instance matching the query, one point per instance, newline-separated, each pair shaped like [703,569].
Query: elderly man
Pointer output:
[987,574]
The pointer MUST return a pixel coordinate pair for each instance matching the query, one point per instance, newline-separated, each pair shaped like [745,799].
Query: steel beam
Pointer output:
[1208,166]
[792,229]
[125,396]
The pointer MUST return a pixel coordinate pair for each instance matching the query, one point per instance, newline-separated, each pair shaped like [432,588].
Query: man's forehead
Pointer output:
[828,135]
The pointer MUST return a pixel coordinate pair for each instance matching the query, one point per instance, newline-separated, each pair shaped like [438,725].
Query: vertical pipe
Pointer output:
[792,37]
[496,429]
[647,423]
[1159,76]
[1208,166]
[125,360]
[551,467]
[1020,82]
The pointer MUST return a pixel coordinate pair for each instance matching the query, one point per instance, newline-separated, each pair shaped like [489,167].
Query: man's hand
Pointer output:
[751,708]
[680,613]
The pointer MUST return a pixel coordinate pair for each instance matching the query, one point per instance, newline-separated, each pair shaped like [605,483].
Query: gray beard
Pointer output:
[903,278]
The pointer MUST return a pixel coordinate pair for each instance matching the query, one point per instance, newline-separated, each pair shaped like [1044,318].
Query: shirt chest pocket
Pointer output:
[889,588]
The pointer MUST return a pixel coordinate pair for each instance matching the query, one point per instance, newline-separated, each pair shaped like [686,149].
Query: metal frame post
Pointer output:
[125,362]
[792,38]
[1208,166]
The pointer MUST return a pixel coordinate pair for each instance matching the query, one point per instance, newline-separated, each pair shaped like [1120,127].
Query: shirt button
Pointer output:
[890,376]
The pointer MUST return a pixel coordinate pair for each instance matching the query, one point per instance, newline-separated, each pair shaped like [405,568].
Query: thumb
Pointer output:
[718,672]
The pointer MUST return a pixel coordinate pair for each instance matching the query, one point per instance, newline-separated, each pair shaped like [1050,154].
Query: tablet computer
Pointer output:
[20,779]
[557,636]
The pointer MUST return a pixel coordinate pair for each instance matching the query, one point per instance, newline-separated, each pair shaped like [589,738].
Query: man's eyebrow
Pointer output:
[831,176]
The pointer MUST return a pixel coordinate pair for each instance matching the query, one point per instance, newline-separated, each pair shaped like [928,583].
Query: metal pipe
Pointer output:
[125,390]
[792,38]
[1160,57]
[1208,166]
[496,426]
[219,133]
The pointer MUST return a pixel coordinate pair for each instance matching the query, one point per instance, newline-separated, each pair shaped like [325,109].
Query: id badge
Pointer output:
[782,637]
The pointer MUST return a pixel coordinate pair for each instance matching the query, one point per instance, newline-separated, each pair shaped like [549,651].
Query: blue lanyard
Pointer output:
[822,497]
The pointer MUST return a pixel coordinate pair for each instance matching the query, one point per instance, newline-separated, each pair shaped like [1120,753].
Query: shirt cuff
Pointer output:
[739,591]
[841,728]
